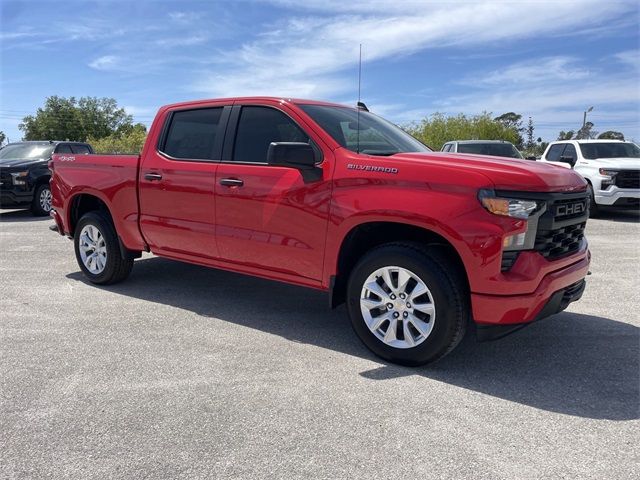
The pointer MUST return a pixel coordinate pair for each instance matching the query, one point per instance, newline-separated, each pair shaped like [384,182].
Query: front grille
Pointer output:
[5,178]
[561,227]
[628,179]
[559,242]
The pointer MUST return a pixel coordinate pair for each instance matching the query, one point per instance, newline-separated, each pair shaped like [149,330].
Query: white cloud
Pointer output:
[183,41]
[629,57]
[184,17]
[541,70]
[313,54]
[105,63]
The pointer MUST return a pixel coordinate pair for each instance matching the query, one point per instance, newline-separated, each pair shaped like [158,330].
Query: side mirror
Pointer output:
[302,156]
[570,160]
[292,154]
[531,157]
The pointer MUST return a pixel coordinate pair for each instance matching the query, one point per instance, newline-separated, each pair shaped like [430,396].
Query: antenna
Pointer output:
[358,105]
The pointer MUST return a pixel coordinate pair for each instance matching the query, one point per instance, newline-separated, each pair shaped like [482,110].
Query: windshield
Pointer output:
[609,150]
[370,134]
[26,151]
[495,149]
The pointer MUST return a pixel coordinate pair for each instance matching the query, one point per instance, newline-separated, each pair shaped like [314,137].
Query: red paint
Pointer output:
[279,227]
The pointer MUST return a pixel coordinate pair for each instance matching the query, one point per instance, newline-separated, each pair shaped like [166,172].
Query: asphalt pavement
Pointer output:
[188,372]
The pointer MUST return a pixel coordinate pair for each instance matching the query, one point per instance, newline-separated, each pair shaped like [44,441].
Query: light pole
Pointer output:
[584,118]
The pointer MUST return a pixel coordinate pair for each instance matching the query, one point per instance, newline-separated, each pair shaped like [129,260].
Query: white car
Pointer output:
[612,168]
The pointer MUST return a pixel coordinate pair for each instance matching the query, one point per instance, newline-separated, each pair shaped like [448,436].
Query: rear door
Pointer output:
[268,216]
[177,179]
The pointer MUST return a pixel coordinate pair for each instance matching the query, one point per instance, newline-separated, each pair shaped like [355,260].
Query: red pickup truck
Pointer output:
[417,243]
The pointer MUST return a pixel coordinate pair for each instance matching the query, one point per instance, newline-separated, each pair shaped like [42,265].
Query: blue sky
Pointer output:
[547,60]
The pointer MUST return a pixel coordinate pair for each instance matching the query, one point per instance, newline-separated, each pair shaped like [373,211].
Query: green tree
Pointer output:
[565,135]
[438,129]
[3,138]
[530,129]
[128,140]
[75,119]
[586,132]
[514,121]
[611,135]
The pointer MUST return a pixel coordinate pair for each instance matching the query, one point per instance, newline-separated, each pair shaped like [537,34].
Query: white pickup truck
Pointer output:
[612,168]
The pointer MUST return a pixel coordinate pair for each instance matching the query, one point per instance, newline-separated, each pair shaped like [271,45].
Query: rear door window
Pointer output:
[192,134]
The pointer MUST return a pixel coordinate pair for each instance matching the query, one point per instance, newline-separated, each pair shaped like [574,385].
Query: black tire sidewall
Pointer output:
[447,296]
[103,224]
[36,209]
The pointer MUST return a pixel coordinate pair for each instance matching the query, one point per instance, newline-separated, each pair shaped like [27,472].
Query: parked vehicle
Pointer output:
[611,168]
[335,198]
[24,175]
[495,148]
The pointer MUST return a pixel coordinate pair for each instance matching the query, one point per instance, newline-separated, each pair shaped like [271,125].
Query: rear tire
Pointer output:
[98,250]
[427,325]
[41,203]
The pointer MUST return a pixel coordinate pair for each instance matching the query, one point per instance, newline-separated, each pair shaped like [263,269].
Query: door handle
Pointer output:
[152,176]
[231,182]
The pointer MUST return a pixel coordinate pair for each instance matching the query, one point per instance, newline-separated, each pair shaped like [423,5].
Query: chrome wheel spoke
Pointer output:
[377,322]
[386,276]
[408,337]
[403,280]
[377,289]
[372,303]
[419,290]
[426,308]
[390,334]
[421,326]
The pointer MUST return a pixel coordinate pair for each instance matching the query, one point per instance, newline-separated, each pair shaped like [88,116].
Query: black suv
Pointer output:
[24,173]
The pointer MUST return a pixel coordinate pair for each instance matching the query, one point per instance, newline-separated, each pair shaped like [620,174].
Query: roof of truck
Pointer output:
[297,101]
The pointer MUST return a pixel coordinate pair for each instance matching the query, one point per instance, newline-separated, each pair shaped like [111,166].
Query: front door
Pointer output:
[268,216]
[177,203]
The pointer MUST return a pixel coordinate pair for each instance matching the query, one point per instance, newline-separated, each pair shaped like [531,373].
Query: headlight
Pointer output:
[508,207]
[610,178]
[19,178]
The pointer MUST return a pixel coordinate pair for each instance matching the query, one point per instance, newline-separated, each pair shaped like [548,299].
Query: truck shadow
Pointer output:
[574,364]
[20,216]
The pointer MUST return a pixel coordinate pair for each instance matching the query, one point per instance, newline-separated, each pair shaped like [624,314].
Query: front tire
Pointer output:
[98,251]
[41,204]
[407,303]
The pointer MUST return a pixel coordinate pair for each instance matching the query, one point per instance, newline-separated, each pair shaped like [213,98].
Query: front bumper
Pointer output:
[559,301]
[614,195]
[511,310]
[15,198]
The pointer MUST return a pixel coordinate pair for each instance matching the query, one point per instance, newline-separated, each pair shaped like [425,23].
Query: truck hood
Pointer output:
[617,163]
[20,162]
[506,173]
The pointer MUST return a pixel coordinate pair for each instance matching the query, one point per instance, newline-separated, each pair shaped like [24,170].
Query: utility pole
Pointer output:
[584,118]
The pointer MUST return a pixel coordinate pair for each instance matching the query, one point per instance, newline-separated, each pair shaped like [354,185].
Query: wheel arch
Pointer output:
[365,236]
[85,202]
